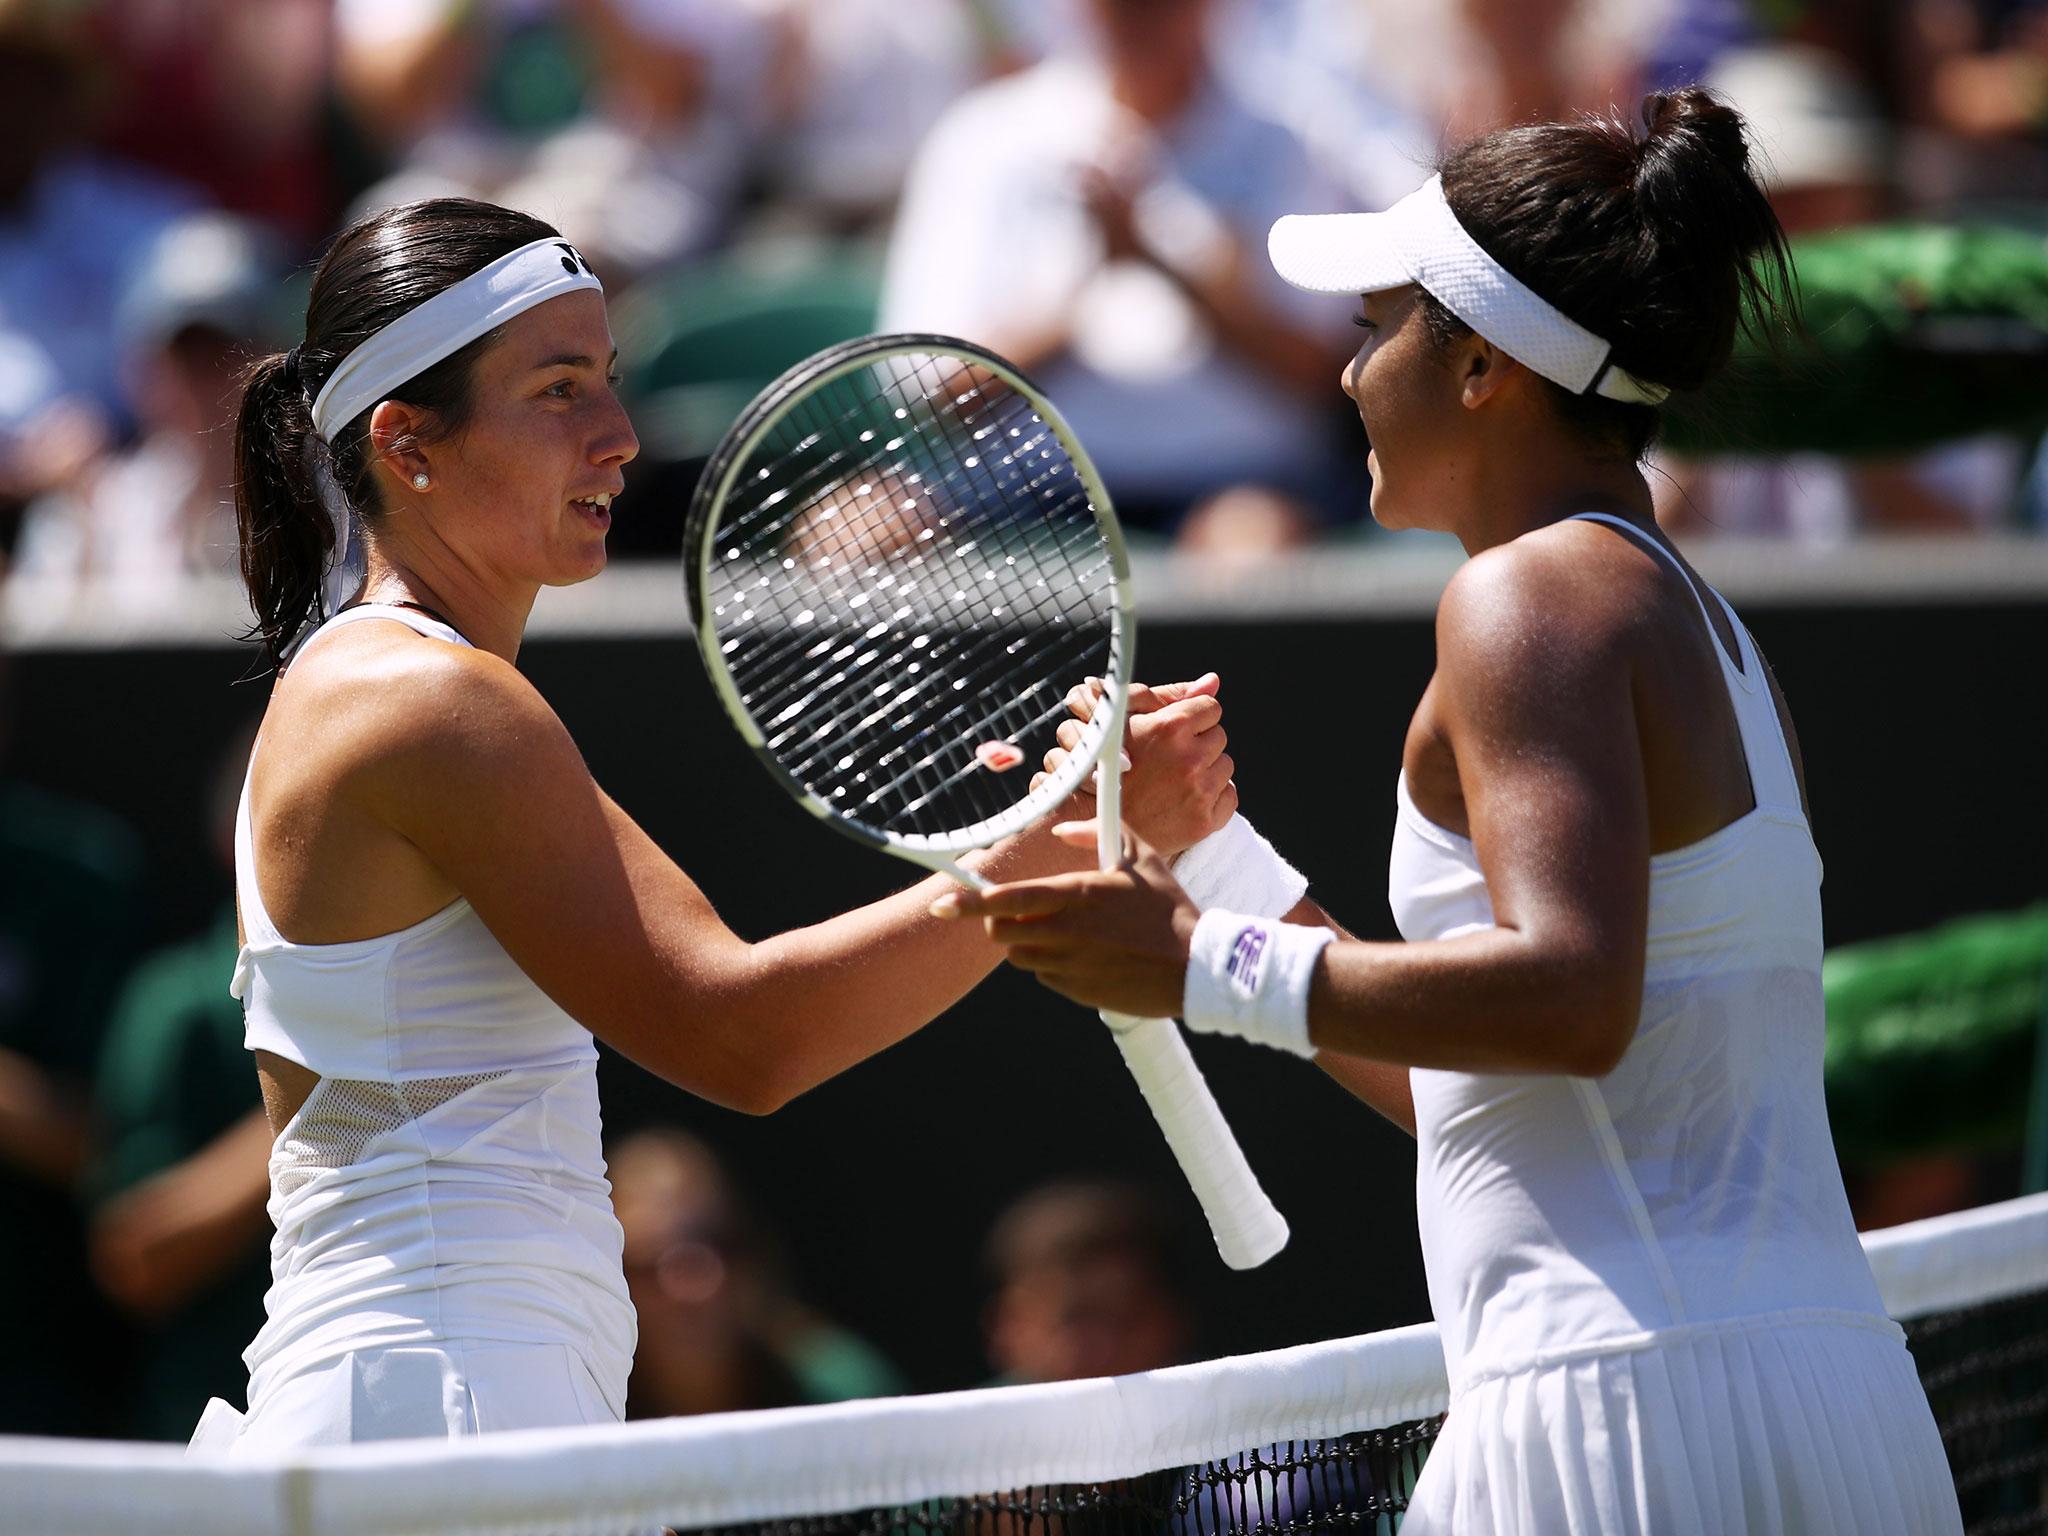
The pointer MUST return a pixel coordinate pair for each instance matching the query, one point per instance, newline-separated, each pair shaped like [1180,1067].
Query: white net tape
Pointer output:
[732,1468]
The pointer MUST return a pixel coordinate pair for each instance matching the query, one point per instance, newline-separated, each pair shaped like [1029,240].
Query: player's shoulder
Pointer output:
[1556,595]
[383,695]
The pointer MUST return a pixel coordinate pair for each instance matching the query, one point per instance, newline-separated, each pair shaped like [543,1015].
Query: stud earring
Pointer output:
[420,481]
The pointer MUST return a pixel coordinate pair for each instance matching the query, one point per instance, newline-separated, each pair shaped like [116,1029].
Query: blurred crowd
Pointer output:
[1082,184]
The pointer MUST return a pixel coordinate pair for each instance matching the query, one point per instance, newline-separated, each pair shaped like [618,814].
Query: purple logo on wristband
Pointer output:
[1245,956]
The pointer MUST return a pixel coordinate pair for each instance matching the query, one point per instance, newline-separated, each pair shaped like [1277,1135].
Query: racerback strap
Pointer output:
[1771,776]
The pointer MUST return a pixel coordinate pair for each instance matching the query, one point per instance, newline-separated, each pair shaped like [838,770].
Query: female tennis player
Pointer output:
[1605,1027]
[440,909]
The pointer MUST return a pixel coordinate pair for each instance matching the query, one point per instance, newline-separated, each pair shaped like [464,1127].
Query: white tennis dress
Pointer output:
[1656,1315]
[446,1259]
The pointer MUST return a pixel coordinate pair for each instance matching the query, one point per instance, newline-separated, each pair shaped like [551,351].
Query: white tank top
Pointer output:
[1694,1183]
[445,1180]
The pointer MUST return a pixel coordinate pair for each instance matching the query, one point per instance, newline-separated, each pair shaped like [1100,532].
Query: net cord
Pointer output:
[731,1468]
[1961,1260]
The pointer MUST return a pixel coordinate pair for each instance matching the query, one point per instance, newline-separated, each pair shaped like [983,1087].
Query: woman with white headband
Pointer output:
[440,909]
[1605,1028]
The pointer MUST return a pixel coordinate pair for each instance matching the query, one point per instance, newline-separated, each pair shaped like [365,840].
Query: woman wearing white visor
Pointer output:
[440,908]
[1605,1029]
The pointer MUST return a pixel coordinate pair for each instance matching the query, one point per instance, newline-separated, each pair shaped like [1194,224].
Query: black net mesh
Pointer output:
[905,577]
[1986,1373]
[1985,1369]
[1355,1483]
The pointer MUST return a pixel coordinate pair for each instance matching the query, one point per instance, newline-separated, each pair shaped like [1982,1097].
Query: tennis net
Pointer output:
[1324,1438]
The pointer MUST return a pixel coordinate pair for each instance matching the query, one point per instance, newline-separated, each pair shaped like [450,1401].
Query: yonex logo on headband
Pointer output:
[446,323]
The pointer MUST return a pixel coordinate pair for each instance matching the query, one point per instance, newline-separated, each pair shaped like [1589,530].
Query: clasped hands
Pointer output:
[1118,939]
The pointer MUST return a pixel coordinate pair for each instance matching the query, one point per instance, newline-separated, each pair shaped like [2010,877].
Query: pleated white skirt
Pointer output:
[1791,1424]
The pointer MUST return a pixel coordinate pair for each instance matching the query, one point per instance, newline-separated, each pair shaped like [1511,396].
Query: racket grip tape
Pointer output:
[1248,1228]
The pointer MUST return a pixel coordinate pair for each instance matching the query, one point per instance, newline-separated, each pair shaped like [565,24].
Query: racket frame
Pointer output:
[938,851]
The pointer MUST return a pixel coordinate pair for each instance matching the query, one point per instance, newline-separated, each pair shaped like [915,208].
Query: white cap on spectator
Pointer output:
[1808,113]
[211,269]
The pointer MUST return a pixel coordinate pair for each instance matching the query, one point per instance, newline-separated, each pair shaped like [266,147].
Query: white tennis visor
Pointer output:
[1419,240]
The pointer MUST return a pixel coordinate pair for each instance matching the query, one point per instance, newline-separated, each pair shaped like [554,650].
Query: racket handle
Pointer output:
[1249,1229]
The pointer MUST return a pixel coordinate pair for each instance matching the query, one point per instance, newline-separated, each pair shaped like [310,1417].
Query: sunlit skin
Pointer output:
[396,774]
[1577,725]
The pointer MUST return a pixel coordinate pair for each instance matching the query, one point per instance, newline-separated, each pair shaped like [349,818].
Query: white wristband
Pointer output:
[1249,977]
[1235,867]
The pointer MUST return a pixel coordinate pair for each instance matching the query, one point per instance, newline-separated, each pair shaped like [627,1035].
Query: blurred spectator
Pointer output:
[1824,143]
[1103,223]
[246,83]
[415,74]
[1976,77]
[629,124]
[1038,29]
[1309,62]
[719,1331]
[1087,1279]
[1692,37]
[1987,66]
[73,226]
[179,1239]
[1825,147]
[202,304]
[70,878]
[1087,1284]
[653,168]
[857,85]
[1474,65]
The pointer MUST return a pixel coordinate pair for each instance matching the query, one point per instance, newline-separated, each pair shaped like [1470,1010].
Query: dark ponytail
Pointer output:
[285,532]
[376,270]
[1662,241]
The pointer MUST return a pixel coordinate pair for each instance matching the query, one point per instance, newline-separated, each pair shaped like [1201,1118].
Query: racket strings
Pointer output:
[839,544]
[909,567]
[1003,725]
[848,539]
[947,560]
[955,569]
[951,555]
[832,432]
[1010,717]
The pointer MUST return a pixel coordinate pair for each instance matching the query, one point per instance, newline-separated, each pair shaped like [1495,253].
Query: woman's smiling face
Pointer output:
[525,486]
[1408,396]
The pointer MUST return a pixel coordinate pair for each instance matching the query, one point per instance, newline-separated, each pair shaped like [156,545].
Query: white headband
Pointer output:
[445,324]
[421,337]
[1419,240]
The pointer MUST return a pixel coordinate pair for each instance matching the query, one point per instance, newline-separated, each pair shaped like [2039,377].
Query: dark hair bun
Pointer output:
[1693,160]
[1693,121]
[1660,240]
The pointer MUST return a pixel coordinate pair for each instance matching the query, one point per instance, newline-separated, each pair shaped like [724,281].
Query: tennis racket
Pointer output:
[899,561]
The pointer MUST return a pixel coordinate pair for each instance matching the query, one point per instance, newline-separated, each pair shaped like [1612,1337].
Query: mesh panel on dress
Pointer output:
[344,1115]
